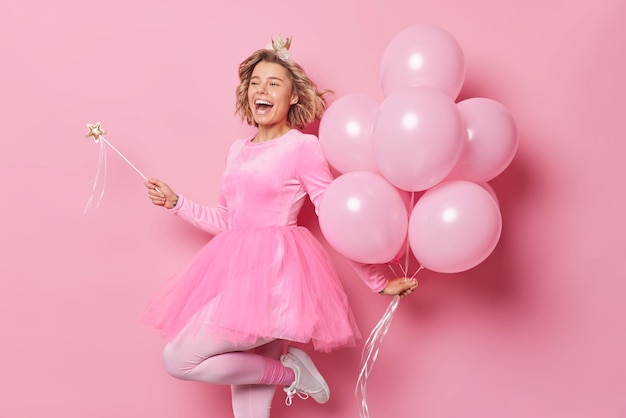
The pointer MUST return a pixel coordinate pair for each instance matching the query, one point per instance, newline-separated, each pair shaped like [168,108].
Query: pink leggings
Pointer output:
[253,371]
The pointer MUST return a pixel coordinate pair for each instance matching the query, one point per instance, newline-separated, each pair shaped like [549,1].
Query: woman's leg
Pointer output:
[195,355]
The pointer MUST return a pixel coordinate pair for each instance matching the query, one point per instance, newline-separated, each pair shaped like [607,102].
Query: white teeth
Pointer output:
[263,102]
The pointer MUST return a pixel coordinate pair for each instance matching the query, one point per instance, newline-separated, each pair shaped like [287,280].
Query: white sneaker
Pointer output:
[309,381]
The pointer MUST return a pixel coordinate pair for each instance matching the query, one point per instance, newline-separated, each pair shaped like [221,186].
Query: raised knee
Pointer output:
[174,364]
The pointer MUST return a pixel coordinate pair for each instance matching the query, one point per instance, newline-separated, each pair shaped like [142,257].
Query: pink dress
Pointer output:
[262,275]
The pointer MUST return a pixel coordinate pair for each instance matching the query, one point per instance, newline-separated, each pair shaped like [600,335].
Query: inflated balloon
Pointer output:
[454,226]
[423,55]
[345,133]
[418,137]
[492,140]
[363,217]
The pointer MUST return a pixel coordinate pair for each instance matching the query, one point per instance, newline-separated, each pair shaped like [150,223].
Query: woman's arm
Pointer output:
[210,219]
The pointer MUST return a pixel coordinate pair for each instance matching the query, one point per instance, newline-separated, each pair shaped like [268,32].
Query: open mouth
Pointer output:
[262,106]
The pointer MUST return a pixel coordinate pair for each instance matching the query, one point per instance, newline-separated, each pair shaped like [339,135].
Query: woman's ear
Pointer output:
[294,99]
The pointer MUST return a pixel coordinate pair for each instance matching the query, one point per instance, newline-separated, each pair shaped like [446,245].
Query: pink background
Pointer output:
[537,330]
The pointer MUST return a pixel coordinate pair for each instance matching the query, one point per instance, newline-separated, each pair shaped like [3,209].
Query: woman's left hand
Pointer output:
[401,286]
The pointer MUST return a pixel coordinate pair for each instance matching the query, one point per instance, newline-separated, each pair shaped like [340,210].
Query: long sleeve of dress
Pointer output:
[315,176]
[210,219]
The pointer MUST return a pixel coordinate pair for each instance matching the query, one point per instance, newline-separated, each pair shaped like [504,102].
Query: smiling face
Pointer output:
[270,95]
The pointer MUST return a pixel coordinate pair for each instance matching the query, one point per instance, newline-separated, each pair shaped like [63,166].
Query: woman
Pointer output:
[262,280]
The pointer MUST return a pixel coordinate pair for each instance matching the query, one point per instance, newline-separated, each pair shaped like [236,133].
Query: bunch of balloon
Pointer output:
[417,142]
[417,139]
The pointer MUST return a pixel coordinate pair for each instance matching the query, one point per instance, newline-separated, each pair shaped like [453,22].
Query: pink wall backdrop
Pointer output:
[537,330]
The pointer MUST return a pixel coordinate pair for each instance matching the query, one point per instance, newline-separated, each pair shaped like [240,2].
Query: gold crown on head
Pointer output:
[280,46]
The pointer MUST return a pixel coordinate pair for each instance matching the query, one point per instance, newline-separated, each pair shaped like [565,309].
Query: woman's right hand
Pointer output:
[401,286]
[161,194]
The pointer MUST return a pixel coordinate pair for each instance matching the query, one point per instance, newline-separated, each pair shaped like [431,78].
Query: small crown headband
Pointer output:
[280,46]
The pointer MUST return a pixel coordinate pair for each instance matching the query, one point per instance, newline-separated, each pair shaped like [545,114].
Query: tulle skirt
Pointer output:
[267,282]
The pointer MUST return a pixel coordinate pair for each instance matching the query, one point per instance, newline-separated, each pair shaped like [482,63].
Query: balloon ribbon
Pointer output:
[370,353]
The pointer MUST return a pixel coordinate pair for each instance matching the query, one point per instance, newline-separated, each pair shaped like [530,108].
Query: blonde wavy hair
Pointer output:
[311,102]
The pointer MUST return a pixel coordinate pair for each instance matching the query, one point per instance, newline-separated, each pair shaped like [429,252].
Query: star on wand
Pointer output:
[97,133]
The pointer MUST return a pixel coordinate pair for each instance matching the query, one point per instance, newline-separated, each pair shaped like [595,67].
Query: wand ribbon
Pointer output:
[99,181]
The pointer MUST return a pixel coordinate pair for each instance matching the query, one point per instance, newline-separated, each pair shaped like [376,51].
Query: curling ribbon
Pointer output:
[370,353]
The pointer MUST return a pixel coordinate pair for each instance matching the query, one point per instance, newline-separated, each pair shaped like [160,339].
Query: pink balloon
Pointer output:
[454,226]
[492,140]
[418,137]
[363,217]
[423,55]
[345,133]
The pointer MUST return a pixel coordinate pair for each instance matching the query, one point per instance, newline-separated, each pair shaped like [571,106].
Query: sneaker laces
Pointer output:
[291,391]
